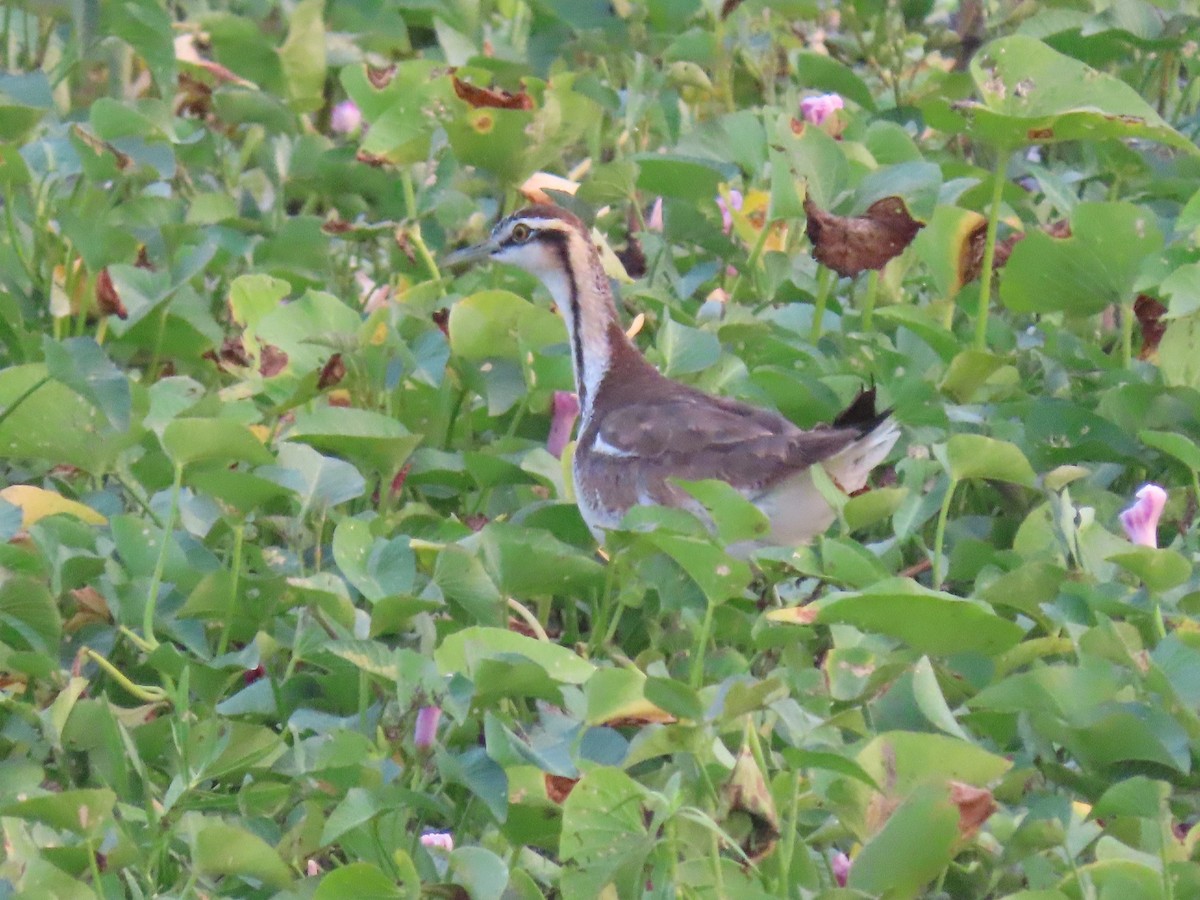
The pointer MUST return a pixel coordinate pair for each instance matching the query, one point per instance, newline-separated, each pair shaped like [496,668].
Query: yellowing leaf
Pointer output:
[37,503]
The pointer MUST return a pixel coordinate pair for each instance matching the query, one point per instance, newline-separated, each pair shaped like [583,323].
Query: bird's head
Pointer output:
[539,239]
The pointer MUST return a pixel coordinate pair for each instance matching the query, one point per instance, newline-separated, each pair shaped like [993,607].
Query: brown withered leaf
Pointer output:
[108,301]
[558,787]
[337,226]
[974,804]
[1149,313]
[332,372]
[970,254]
[143,260]
[495,98]
[728,7]
[746,792]
[380,77]
[441,318]
[273,361]
[91,609]
[850,245]
[232,353]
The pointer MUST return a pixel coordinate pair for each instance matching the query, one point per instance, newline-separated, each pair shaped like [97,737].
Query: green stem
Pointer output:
[239,534]
[21,398]
[939,535]
[702,645]
[869,301]
[1027,651]
[1127,318]
[824,283]
[145,693]
[787,846]
[410,204]
[160,565]
[989,249]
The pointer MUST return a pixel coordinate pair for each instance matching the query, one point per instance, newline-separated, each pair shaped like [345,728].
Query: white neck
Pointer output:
[587,310]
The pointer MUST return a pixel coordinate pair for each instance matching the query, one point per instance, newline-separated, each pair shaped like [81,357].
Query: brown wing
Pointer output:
[696,436]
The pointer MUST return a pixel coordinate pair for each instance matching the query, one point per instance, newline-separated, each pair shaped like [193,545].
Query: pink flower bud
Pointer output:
[438,840]
[655,221]
[312,868]
[565,409]
[841,868]
[735,203]
[1141,520]
[819,108]
[346,118]
[425,732]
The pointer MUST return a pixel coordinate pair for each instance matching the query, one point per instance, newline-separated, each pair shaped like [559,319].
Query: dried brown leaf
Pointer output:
[495,98]
[332,372]
[850,245]
[108,301]
[272,361]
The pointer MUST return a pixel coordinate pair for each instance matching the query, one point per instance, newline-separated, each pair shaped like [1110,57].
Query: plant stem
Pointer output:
[989,249]
[869,300]
[410,204]
[702,645]
[145,693]
[1127,318]
[824,283]
[160,565]
[239,534]
[939,535]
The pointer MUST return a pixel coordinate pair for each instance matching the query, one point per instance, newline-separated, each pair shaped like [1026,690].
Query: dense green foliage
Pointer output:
[275,486]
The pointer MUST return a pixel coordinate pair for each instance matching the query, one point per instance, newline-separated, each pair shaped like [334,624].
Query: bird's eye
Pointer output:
[521,233]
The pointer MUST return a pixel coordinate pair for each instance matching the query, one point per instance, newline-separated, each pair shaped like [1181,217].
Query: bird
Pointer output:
[640,431]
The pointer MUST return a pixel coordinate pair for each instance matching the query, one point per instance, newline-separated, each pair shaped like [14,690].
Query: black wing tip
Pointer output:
[861,413]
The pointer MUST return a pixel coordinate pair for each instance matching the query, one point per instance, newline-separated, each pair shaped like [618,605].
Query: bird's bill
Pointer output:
[472,254]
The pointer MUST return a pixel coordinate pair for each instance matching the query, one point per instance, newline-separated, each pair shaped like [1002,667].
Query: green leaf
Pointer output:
[604,838]
[1159,569]
[930,622]
[24,99]
[320,481]
[461,650]
[1032,94]
[685,177]
[914,846]
[303,56]
[358,879]
[223,849]
[83,811]
[369,439]
[1082,274]
[29,617]
[686,350]
[76,434]
[716,573]
[81,365]
[820,72]
[146,26]
[736,518]
[932,702]
[1173,444]
[377,567]
[1179,353]
[976,456]
[480,872]
[193,440]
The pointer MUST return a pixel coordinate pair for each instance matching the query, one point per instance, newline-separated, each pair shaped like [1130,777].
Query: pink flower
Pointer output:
[564,410]
[819,108]
[1141,520]
[346,118]
[727,209]
[438,840]
[841,868]
[312,868]
[655,220]
[425,731]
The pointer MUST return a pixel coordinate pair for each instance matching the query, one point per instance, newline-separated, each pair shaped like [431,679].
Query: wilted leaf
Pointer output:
[494,98]
[853,245]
